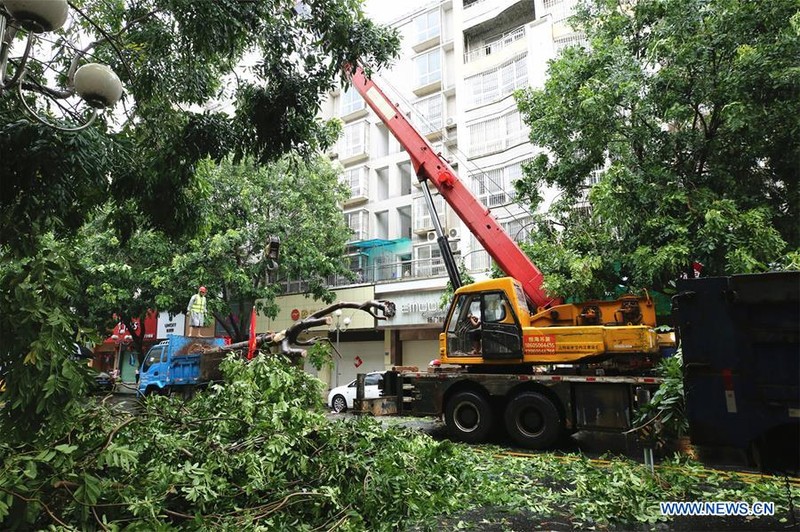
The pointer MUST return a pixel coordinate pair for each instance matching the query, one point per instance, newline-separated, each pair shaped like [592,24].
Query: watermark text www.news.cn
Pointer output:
[717,508]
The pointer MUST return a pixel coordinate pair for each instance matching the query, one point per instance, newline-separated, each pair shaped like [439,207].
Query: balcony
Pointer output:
[395,271]
[428,87]
[357,180]
[495,45]
[427,44]
[387,272]
[480,15]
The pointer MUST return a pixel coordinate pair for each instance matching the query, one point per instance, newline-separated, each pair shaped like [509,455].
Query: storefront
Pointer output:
[413,334]
[116,355]
[410,338]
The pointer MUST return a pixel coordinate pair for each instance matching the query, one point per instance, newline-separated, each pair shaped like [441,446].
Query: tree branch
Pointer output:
[106,37]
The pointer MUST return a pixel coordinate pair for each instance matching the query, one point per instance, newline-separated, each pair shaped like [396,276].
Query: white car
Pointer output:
[341,398]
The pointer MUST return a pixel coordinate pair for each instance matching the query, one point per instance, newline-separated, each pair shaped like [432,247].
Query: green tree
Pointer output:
[295,199]
[174,57]
[117,278]
[685,113]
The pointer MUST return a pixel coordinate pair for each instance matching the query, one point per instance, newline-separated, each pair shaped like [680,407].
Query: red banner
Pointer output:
[251,345]
[121,332]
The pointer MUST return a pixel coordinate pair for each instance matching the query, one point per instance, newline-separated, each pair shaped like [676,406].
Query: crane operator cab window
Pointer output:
[484,325]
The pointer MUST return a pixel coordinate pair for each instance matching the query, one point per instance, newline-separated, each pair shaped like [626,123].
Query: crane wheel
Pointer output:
[468,416]
[533,421]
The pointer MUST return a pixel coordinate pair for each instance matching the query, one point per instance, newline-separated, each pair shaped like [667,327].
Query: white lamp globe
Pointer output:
[38,16]
[98,85]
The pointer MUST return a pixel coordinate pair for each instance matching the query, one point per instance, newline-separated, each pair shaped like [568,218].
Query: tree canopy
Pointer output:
[295,199]
[102,213]
[684,114]
[177,60]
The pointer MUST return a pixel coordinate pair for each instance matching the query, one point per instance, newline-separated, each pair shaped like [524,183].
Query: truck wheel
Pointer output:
[468,416]
[338,403]
[532,421]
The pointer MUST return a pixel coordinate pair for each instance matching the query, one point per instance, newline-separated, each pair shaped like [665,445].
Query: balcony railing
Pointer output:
[379,273]
[469,3]
[476,262]
[495,45]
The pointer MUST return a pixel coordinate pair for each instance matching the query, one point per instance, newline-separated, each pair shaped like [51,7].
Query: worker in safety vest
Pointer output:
[196,310]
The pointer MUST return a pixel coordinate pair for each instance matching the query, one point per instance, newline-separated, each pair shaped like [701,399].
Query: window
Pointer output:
[594,177]
[351,102]
[382,177]
[516,131]
[427,115]
[155,356]
[359,264]
[354,139]
[458,309]
[495,308]
[382,225]
[485,137]
[427,26]
[380,146]
[520,230]
[559,9]
[497,134]
[404,216]
[373,379]
[496,187]
[406,175]
[514,173]
[429,67]
[358,222]
[571,39]
[422,216]
[482,48]
[479,259]
[498,82]
[356,179]
[489,187]
[405,179]
[428,261]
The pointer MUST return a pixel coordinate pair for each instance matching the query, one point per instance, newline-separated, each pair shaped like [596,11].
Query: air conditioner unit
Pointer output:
[452,233]
[454,247]
[431,236]
[450,121]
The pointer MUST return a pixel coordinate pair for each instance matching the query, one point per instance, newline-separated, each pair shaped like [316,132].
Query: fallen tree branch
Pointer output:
[287,339]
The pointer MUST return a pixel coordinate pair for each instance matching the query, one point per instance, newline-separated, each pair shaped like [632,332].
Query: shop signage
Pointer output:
[297,307]
[170,325]
[416,308]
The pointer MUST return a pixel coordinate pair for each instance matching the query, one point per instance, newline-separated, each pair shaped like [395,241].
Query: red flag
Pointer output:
[251,345]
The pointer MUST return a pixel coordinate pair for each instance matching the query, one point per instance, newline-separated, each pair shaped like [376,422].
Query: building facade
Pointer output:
[459,65]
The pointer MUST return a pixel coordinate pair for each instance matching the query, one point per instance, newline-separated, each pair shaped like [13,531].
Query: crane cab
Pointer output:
[489,323]
[484,323]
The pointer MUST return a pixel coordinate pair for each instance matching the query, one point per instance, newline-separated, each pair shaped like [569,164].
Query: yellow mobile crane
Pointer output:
[508,337]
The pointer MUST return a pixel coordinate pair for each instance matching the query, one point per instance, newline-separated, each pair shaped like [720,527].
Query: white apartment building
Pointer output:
[460,62]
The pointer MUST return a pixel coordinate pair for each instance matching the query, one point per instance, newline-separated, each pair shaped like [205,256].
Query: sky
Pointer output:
[385,11]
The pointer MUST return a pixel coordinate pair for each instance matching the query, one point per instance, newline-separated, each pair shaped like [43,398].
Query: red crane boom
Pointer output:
[431,166]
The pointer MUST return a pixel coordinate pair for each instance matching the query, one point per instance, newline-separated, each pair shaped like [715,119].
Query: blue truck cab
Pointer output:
[174,364]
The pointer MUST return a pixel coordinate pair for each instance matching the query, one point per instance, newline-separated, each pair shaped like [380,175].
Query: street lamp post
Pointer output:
[339,325]
[95,84]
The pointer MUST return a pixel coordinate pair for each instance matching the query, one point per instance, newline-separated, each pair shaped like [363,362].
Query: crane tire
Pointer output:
[469,417]
[533,421]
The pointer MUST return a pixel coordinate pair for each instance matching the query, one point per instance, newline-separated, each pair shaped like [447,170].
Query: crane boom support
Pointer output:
[431,166]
